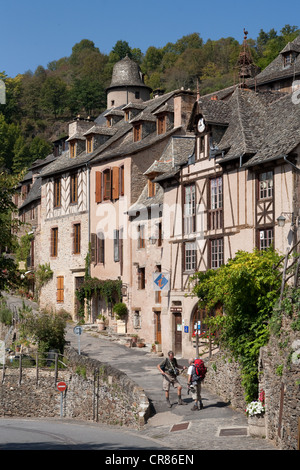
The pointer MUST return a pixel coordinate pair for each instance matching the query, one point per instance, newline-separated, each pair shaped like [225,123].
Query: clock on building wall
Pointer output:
[201,125]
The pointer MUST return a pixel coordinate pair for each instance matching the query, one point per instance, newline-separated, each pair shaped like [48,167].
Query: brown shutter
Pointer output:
[115,182]
[60,289]
[98,186]
[93,248]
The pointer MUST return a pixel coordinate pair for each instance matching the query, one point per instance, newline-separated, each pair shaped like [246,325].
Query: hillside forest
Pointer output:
[39,103]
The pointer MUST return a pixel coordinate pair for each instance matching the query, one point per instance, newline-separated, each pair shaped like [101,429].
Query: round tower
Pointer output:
[127,84]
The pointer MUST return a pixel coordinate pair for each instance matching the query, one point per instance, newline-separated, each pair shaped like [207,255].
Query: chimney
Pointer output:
[183,104]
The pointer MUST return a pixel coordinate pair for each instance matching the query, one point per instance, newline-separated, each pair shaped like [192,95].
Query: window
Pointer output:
[76,239]
[216,203]
[116,245]
[216,253]
[159,240]
[189,209]
[100,248]
[141,239]
[72,149]
[54,242]
[137,95]
[266,185]
[137,133]
[265,238]
[121,180]
[89,144]
[141,278]
[161,125]
[126,117]
[57,192]
[190,256]
[60,289]
[74,189]
[107,184]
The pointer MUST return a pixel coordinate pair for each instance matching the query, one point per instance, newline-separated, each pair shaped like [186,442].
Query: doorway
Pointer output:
[157,323]
[178,333]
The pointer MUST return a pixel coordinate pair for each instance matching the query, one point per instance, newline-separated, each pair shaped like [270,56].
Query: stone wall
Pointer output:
[279,368]
[279,378]
[95,392]
[224,379]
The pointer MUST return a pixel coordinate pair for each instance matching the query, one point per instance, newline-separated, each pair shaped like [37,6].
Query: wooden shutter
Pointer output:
[93,248]
[60,289]
[115,182]
[98,191]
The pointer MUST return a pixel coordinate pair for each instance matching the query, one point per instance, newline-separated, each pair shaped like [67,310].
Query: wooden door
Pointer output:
[78,282]
[157,327]
[178,333]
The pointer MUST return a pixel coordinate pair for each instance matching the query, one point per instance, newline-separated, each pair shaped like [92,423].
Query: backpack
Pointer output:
[199,370]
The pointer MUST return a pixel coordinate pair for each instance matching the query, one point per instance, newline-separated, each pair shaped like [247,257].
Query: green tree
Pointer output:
[8,273]
[54,95]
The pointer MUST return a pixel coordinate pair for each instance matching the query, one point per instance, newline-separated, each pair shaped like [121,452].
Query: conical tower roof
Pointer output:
[127,72]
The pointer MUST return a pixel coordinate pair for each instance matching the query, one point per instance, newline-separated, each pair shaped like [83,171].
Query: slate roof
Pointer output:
[262,126]
[33,195]
[276,69]
[127,72]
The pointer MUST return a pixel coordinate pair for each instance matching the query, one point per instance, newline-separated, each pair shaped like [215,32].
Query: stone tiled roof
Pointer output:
[276,70]
[127,72]
[33,195]
[262,126]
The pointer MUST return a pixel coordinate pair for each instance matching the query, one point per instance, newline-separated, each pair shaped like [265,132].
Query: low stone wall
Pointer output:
[223,378]
[95,392]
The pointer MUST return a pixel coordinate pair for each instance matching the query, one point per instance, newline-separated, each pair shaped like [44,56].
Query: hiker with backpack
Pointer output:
[196,373]
[169,368]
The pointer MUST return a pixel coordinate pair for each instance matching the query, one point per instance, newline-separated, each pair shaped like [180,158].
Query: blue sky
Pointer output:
[36,32]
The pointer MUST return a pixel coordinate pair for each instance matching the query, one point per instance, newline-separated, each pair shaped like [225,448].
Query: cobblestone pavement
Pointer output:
[216,427]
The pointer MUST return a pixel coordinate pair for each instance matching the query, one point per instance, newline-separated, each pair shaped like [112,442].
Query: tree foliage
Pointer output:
[247,288]
[36,102]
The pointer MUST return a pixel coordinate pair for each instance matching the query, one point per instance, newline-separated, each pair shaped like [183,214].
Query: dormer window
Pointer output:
[89,144]
[108,122]
[73,149]
[137,132]
[127,116]
[289,59]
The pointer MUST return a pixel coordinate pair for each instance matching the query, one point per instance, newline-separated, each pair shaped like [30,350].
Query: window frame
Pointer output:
[215,211]
[54,242]
[190,256]
[76,238]
[57,193]
[189,209]
[74,188]
[216,252]
[60,289]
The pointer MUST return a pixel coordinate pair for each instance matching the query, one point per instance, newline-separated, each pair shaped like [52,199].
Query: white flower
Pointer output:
[255,408]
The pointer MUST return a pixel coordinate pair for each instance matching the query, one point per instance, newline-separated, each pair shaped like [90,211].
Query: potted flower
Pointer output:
[256,416]
[140,343]
[101,322]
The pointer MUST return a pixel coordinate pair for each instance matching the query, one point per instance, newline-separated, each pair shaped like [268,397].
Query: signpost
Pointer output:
[78,331]
[61,387]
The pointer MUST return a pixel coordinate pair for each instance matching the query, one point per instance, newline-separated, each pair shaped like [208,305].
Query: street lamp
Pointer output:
[281,219]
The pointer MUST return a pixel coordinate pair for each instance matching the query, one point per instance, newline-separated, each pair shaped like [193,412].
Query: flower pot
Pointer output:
[101,325]
[140,345]
[257,425]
